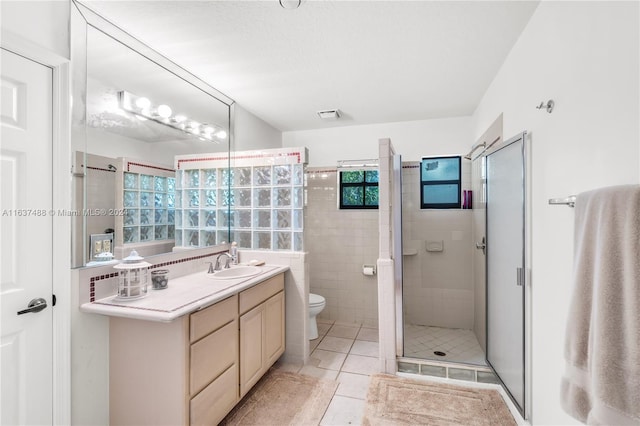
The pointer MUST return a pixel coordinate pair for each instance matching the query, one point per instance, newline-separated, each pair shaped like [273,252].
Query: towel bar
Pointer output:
[569,201]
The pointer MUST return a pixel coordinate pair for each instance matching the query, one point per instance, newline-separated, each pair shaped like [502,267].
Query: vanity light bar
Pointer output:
[144,109]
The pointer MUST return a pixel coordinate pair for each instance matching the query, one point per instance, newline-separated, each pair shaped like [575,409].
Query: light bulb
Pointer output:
[143,103]
[208,130]
[180,118]
[290,4]
[164,111]
[221,134]
[193,127]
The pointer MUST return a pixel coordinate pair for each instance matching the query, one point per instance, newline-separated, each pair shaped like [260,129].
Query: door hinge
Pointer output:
[53,300]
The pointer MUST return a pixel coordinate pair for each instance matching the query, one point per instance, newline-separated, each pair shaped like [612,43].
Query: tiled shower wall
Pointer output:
[339,242]
[437,286]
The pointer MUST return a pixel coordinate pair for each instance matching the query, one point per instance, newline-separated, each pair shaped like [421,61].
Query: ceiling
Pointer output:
[376,61]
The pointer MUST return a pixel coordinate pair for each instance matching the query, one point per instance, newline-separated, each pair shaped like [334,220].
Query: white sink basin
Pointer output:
[235,272]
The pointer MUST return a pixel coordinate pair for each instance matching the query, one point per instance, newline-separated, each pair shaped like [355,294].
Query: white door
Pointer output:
[505,266]
[26,343]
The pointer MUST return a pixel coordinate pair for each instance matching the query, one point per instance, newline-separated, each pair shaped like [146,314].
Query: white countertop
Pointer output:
[184,295]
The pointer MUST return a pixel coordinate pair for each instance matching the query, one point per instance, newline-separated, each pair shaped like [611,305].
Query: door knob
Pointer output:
[36,305]
[482,245]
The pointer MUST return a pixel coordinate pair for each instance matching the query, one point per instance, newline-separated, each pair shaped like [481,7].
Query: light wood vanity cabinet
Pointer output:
[261,331]
[213,368]
[195,369]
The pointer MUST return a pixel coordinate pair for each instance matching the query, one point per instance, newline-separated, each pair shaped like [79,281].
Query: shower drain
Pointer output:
[440,353]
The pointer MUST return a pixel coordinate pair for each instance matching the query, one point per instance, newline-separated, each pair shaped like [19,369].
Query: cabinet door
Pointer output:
[274,327]
[252,348]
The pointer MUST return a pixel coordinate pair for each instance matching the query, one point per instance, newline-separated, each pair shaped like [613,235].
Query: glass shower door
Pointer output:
[505,266]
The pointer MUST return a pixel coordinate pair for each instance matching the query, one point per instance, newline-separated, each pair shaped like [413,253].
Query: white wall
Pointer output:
[251,132]
[44,23]
[583,55]
[412,139]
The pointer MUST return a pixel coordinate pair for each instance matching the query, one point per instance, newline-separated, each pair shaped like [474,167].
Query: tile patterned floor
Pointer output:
[347,353]
[459,345]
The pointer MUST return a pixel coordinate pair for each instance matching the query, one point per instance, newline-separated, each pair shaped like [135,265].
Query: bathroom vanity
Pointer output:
[192,363]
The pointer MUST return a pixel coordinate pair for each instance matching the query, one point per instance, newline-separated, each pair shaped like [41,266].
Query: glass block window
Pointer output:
[276,203]
[199,207]
[358,189]
[262,205]
[148,208]
[440,182]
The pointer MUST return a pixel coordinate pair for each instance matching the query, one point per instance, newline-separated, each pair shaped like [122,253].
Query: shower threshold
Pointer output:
[447,370]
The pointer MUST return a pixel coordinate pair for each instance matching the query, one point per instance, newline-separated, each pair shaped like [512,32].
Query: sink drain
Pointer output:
[440,353]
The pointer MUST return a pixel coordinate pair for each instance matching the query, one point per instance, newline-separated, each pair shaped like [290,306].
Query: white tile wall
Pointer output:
[339,242]
[438,286]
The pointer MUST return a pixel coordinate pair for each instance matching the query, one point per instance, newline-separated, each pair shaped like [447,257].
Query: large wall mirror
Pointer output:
[133,112]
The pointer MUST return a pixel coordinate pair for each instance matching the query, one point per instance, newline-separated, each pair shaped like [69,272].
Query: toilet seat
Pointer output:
[315,299]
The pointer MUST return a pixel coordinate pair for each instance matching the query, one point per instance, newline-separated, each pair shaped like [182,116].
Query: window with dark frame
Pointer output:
[359,189]
[440,182]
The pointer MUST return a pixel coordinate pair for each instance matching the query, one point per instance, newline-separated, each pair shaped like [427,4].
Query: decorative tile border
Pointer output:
[96,278]
[148,166]
[100,169]
[92,284]
[245,158]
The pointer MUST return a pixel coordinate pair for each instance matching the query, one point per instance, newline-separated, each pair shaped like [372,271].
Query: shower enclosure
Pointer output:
[438,279]
[462,297]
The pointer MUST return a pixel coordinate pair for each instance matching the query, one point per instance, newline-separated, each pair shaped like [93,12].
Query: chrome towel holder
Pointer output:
[568,201]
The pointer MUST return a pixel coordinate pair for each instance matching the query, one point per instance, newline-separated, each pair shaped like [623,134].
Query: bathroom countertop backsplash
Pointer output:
[184,295]
[100,283]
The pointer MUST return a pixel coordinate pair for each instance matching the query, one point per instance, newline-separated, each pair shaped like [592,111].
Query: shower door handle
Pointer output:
[520,277]
[482,245]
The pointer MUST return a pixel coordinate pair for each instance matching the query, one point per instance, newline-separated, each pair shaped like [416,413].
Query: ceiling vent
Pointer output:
[329,114]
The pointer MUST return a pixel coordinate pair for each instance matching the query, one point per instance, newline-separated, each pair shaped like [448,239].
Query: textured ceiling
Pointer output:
[377,61]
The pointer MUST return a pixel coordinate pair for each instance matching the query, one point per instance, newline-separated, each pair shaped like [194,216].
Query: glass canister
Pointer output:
[160,279]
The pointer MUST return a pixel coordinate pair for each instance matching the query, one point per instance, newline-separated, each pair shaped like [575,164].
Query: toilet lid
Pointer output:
[315,299]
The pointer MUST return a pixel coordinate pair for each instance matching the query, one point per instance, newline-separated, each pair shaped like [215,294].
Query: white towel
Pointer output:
[601,385]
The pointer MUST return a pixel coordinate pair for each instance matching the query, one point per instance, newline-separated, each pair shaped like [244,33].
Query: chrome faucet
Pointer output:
[226,264]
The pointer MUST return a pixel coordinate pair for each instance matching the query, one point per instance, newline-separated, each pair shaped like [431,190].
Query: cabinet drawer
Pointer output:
[216,400]
[252,297]
[212,355]
[210,319]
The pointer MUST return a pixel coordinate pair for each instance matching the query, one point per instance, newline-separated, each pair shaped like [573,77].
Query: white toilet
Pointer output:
[316,305]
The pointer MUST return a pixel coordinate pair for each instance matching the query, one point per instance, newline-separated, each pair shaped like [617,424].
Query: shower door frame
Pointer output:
[523,136]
